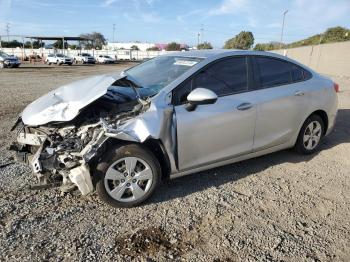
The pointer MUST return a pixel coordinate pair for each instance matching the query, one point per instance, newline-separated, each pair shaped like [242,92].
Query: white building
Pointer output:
[117,45]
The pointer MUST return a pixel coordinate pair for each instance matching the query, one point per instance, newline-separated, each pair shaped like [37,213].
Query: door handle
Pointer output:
[244,106]
[299,93]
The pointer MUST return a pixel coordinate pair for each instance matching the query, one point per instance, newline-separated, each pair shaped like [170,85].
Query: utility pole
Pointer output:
[202,29]
[113,31]
[284,16]
[8,31]
[198,39]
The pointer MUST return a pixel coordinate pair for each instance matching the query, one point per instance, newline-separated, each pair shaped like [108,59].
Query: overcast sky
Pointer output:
[163,21]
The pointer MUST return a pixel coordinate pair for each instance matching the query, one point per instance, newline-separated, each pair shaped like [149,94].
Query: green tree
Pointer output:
[336,34]
[268,46]
[11,44]
[244,40]
[58,44]
[98,40]
[153,48]
[173,46]
[74,47]
[134,47]
[205,45]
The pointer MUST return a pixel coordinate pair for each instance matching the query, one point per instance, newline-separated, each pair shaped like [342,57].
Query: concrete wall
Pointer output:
[330,59]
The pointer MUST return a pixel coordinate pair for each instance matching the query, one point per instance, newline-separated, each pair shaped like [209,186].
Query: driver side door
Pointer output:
[219,131]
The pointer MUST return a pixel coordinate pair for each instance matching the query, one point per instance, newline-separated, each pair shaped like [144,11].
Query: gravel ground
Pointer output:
[277,207]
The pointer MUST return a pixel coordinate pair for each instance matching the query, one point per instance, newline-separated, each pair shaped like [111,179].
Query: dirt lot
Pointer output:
[278,207]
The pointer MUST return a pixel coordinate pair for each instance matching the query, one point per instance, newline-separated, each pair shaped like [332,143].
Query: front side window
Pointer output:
[225,77]
[273,72]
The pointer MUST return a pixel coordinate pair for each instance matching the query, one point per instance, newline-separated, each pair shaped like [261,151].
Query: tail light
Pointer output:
[336,87]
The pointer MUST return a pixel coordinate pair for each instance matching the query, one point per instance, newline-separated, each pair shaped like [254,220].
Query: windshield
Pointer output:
[3,54]
[160,71]
[59,55]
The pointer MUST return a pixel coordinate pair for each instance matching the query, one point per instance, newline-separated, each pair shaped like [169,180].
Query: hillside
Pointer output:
[331,35]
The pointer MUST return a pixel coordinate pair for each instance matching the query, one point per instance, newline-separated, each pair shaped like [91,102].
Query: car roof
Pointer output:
[213,53]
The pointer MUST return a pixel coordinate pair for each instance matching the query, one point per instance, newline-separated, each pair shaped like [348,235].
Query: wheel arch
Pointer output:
[323,115]
[153,145]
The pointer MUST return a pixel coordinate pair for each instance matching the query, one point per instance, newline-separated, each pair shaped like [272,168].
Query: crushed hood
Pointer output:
[65,102]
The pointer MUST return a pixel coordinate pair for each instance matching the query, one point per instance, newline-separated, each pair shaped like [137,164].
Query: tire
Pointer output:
[310,135]
[126,180]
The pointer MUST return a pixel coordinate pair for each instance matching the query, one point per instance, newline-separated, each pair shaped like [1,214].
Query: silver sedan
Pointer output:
[170,116]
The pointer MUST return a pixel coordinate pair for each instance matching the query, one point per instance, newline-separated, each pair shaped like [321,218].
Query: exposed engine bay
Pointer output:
[61,153]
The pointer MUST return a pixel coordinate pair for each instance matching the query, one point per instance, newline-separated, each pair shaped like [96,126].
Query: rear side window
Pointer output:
[273,72]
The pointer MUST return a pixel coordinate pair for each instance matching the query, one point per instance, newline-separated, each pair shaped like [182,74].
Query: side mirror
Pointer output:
[200,96]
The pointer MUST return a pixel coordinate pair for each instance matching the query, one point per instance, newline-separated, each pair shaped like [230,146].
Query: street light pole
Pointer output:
[284,16]
[113,31]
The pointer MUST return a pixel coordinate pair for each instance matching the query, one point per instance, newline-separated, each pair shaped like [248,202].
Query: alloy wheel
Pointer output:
[128,179]
[312,135]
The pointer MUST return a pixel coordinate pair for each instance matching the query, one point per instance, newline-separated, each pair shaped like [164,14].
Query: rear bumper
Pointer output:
[332,115]
[331,123]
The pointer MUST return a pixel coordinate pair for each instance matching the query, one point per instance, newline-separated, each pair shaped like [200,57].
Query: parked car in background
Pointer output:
[58,59]
[105,59]
[173,115]
[84,58]
[8,60]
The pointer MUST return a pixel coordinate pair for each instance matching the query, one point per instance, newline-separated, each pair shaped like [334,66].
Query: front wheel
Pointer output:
[310,135]
[127,176]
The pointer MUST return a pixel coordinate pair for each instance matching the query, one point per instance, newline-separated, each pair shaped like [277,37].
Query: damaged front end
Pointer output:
[61,153]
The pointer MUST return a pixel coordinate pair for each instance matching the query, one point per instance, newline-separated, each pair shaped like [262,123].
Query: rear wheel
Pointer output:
[310,135]
[127,176]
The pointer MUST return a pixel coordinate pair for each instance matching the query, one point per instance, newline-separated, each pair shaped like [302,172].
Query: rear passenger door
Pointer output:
[281,101]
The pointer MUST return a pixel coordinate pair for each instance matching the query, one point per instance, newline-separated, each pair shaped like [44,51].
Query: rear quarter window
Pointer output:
[299,74]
